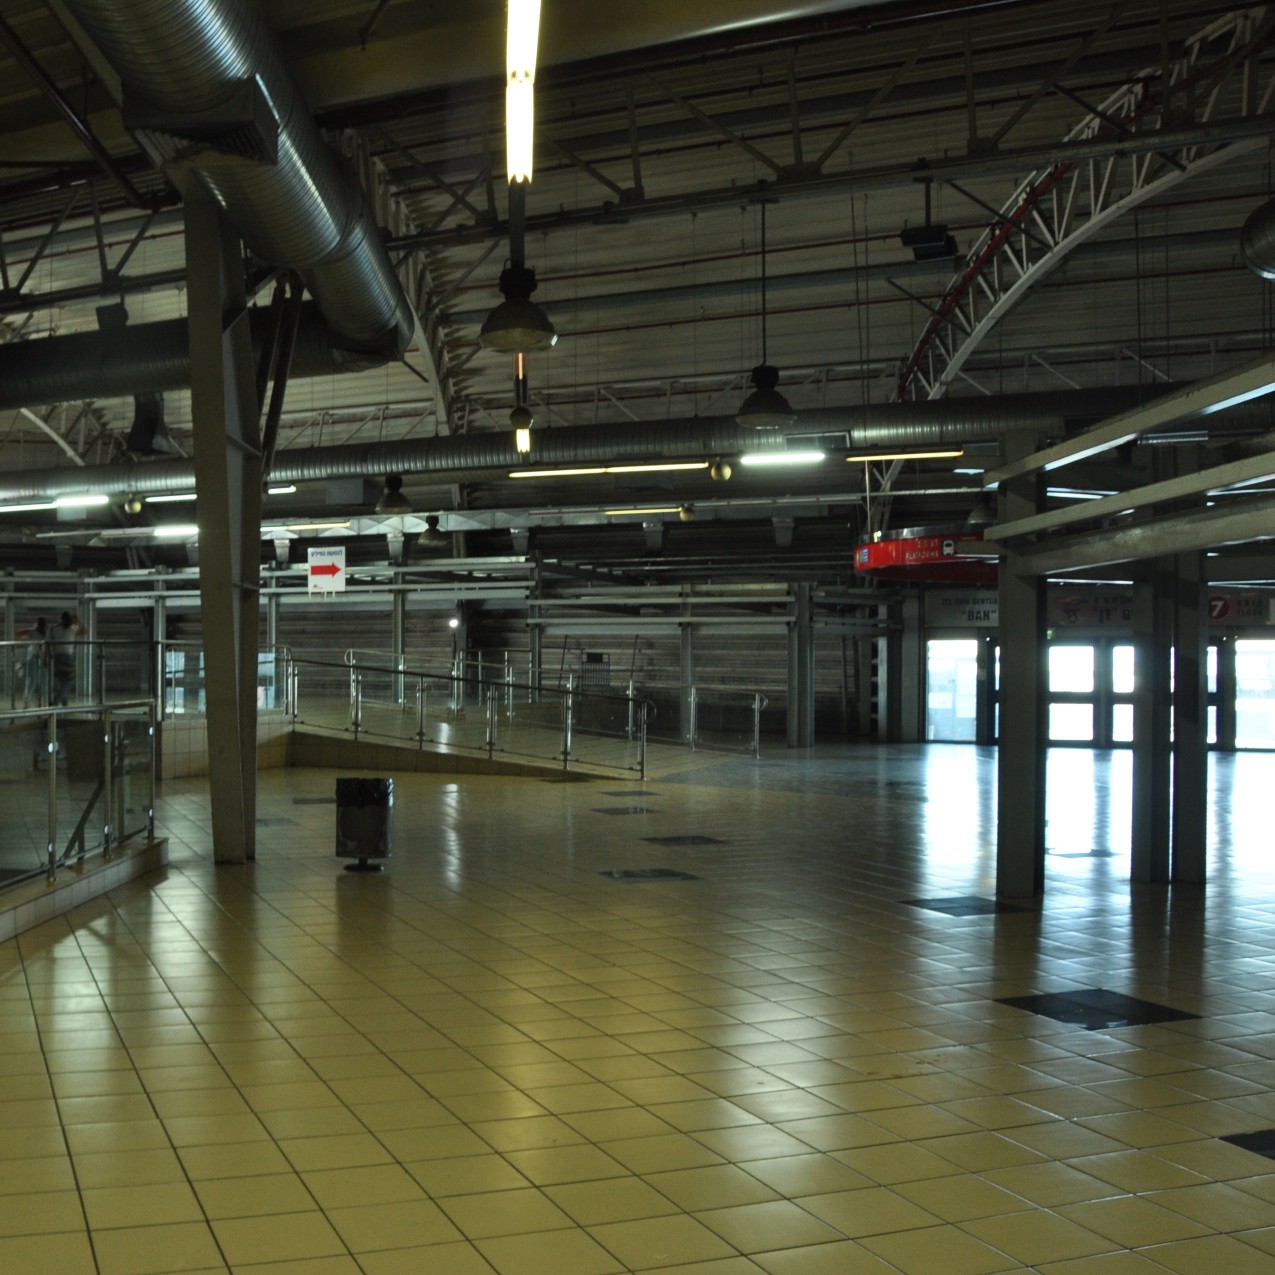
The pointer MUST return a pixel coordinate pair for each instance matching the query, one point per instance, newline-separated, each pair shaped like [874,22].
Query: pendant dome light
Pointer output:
[765,407]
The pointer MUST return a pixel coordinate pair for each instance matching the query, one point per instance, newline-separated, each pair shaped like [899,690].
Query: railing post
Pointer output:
[509,686]
[52,748]
[568,709]
[358,702]
[108,774]
[294,688]
[632,711]
[759,702]
[161,682]
[420,711]
[491,721]
[642,742]
[693,733]
[150,783]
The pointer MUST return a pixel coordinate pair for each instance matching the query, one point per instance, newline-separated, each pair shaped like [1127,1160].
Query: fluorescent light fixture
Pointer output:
[175,531]
[655,467]
[949,454]
[765,460]
[1076,493]
[171,498]
[522,440]
[659,509]
[523,36]
[87,501]
[285,490]
[27,509]
[315,526]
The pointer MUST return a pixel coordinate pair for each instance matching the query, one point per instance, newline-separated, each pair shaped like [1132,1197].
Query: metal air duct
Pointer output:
[148,358]
[889,425]
[304,212]
[1257,241]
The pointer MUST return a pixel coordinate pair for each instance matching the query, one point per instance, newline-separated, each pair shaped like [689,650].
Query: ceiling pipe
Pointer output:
[149,358]
[881,426]
[1257,241]
[304,212]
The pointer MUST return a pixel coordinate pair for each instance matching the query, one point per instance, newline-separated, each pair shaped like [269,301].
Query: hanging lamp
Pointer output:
[765,407]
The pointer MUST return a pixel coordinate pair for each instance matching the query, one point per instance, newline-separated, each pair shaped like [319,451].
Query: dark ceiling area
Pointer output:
[944,223]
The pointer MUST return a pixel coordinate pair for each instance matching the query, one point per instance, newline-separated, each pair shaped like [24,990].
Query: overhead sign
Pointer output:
[940,559]
[327,569]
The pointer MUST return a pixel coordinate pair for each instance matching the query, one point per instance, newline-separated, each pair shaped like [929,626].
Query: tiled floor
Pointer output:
[492,1057]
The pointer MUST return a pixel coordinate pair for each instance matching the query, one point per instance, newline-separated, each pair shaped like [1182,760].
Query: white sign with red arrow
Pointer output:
[327,569]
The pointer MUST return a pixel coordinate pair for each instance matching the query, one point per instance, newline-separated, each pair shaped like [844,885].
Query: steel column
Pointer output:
[1153,608]
[224,420]
[1190,722]
[1020,759]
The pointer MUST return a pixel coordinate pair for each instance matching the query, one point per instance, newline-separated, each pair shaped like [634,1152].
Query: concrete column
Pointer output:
[911,680]
[1153,613]
[1020,759]
[686,672]
[1190,721]
[801,671]
[226,430]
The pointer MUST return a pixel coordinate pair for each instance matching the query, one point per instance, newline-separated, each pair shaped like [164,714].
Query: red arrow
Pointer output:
[327,569]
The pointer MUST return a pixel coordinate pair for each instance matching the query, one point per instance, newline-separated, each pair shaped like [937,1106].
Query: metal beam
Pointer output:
[1237,473]
[1163,537]
[1203,398]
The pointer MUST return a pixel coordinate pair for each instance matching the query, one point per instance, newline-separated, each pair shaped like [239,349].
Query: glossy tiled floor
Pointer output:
[493,1058]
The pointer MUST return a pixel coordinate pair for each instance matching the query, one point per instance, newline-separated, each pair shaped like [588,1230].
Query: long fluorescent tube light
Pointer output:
[175,531]
[81,502]
[27,509]
[936,455]
[609,469]
[314,526]
[660,509]
[285,490]
[171,498]
[764,460]
[522,39]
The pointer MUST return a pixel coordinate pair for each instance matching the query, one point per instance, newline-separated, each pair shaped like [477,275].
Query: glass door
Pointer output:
[951,689]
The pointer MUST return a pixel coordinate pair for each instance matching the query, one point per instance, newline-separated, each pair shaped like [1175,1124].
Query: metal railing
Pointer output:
[78,782]
[491,715]
[173,673]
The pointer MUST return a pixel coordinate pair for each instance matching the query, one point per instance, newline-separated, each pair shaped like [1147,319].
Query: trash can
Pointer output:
[364,822]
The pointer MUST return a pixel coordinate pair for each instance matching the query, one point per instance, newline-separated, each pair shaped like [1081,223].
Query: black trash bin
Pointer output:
[364,822]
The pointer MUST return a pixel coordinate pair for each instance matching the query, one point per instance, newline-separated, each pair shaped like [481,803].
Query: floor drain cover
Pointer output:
[1262,1142]
[965,905]
[1096,1009]
[690,839]
[648,874]
[623,810]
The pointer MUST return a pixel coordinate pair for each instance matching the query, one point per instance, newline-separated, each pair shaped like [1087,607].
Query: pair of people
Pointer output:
[51,650]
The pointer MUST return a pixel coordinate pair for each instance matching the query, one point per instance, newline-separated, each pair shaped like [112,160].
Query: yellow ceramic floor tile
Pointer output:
[563,1252]
[50,1173]
[454,1259]
[371,1227]
[156,1250]
[843,1257]
[711,1187]
[961,1198]
[942,1248]
[150,1205]
[1210,1254]
[504,1213]
[284,1237]
[233,1160]
[1036,1237]
[667,1152]
[612,1200]
[653,1242]
[868,1211]
[1218,1206]
[41,1254]
[757,1228]
[552,1165]
[1134,1221]
[466,1175]
[334,1152]
[255,1196]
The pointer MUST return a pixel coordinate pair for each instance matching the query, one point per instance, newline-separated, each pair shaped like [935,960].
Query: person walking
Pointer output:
[63,638]
[35,675]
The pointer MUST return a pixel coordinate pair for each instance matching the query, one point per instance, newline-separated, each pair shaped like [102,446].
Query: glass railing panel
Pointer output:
[131,777]
[24,795]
